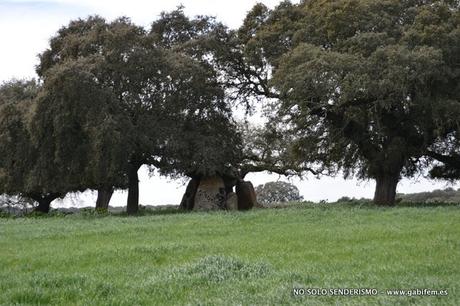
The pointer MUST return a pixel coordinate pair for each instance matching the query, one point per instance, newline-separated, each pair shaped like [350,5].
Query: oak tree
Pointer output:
[358,83]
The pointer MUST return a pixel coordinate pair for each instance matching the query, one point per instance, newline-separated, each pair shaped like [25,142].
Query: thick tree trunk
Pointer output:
[229,183]
[104,194]
[44,201]
[43,206]
[188,199]
[132,206]
[385,189]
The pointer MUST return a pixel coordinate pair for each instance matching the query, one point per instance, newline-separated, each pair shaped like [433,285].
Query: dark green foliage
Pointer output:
[124,67]
[203,138]
[16,147]
[345,199]
[89,122]
[17,91]
[365,87]
[117,97]
[203,147]
[78,131]
[277,192]
[269,148]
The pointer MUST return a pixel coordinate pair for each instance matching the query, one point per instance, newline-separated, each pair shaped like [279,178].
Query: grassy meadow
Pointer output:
[231,258]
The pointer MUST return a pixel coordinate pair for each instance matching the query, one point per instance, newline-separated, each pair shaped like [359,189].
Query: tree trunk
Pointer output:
[132,206]
[385,189]
[43,206]
[44,201]
[229,183]
[104,194]
[188,199]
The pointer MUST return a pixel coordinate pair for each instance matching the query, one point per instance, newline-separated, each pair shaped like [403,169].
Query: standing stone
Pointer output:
[232,201]
[210,194]
[246,195]
[188,199]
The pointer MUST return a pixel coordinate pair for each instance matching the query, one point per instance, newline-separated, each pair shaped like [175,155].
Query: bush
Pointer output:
[448,195]
[277,192]
[344,199]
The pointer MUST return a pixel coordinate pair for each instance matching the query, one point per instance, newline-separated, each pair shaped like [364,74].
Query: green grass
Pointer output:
[230,258]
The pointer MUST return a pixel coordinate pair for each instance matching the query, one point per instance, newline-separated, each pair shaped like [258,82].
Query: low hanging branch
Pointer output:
[260,165]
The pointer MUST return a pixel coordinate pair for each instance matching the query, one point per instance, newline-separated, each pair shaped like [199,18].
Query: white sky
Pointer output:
[27,25]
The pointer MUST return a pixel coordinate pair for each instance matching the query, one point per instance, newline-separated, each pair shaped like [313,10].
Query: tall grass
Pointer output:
[232,258]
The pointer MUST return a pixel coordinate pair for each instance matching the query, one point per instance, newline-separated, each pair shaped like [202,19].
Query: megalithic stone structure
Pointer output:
[216,193]
[246,194]
[210,194]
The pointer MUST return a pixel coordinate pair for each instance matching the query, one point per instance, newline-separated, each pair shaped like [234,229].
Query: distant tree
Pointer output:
[448,195]
[344,199]
[277,192]
[360,85]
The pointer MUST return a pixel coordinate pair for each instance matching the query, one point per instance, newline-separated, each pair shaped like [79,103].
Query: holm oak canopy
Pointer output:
[362,85]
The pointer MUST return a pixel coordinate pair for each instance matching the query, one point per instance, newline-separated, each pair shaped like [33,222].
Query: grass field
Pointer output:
[230,258]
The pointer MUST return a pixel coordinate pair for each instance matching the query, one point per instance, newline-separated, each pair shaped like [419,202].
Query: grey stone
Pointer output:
[232,201]
[210,194]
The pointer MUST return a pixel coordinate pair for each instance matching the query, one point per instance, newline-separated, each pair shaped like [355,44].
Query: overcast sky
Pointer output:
[25,29]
